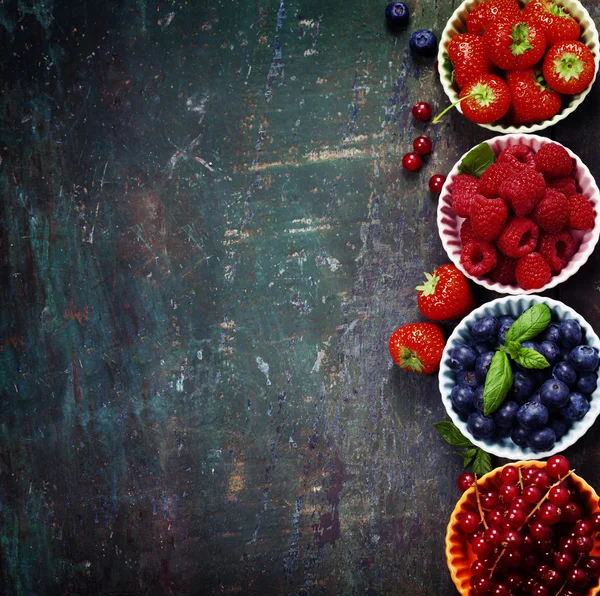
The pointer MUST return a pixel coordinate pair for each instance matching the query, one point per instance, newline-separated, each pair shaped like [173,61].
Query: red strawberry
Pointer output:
[478,257]
[533,272]
[515,44]
[551,213]
[417,347]
[532,100]
[553,161]
[557,23]
[467,53]
[557,249]
[445,295]
[567,186]
[519,237]
[466,232]
[504,271]
[488,12]
[523,191]
[464,187]
[493,177]
[488,217]
[485,99]
[517,156]
[581,213]
[569,67]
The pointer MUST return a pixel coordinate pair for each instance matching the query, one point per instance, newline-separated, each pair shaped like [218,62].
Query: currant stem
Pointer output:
[442,114]
[520,480]
[479,504]
[566,581]
[541,501]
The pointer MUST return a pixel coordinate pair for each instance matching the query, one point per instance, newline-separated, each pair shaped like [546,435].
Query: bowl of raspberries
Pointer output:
[519,214]
[529,527]
[519,377]
[518,67]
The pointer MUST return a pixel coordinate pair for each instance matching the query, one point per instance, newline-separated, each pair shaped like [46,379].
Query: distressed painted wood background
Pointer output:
[206,240]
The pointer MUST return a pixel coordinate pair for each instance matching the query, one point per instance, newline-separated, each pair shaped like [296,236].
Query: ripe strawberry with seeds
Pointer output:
[515,44]
[489,12]
[569,67]
[467,54]
[445,295]
[556,21]
[417,347]
[532,99]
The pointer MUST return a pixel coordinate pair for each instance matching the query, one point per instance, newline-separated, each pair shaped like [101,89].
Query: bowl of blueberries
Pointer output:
[519,377]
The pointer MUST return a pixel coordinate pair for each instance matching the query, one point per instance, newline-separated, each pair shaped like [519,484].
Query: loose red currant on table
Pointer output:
[465,481]
[412,162]
[422,111]
[422,145]
[436,183]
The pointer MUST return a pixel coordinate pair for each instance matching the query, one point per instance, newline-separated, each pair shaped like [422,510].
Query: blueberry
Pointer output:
[423,43]
[550,351]
[506,414]
[506,319]
[478,399]
[519,436]
[586,383]
[396,14]
[482,347]
[564,372]
[532,415]
[559,426]
[552,333]
[522,387]
[536,398]
[576,408]
[466,377]
[542,439]
[482,366]
[571,333]
[584,358]
[480,426]
[462,399]
[504,327]
[485,329]
[462,356]
[554,393]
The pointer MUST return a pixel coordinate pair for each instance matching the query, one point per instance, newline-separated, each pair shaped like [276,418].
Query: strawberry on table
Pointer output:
[569,67]
[556,21]
[488,13]
[467,54]
[417,347]
[515,44]
[532,99]
[445,295]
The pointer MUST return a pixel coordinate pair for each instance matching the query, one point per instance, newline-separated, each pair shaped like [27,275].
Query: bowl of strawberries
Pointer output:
[519,214]
[518,68]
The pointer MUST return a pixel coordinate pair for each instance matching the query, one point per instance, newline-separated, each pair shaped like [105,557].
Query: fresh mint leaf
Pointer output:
[498,382]
[451,434]
[482,463]
[477,161]
[468,456]
[531,323]
[531,359]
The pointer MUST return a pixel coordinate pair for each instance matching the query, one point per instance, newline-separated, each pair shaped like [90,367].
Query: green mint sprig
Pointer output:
[499,378]
[477,161]
[474,457]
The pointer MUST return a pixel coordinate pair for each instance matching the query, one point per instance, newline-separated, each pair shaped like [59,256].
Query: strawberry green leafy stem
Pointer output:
[520,38]
[482,93]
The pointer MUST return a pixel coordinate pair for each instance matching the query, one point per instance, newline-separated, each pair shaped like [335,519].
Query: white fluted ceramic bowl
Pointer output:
[515,306]
[449,223]
[458,24]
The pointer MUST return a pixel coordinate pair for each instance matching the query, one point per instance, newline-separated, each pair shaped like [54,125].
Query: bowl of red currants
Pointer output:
[519,377]
[529,527]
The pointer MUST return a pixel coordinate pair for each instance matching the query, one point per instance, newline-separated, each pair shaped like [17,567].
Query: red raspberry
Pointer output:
[553,161]
[557,249]
[504,271]
[523,191]
[533,272]
[552,212]
[493,177]
[466,232]
[488,217]
[519,237]
[517,156]
[581,213]
[478,257]
[464,187]
[567,186]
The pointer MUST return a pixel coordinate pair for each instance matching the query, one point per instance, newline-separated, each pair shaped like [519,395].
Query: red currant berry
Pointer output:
[483,585]
[495,517]
[493,536]
[570,513]
[544,548]
[490,499]
[527,542]
[596,520]
[465,480]
[422,145]
[549,514]
[508,492]
[541,479]
[553,578]
[529,584]
[422,111]
[583,527]
[436,183]
[500,589]
[541,570]
[557,466]
[512,540]
[541,590]
[412,162]
[479,568]
[584,544]
[563,561]
[480,547]
[510,475]
[469,522]
[567,544]
[532,493]
[514,580]
[540,531]
[529,562]
[559,495]
[520,503]
[528,474]
[577,577]
[516,517]
[513,558]
[592,566]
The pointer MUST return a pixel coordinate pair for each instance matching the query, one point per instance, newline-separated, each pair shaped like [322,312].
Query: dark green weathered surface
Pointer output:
[207,238]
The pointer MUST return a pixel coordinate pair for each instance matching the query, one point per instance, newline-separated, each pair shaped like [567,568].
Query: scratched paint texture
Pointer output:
[206,241]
